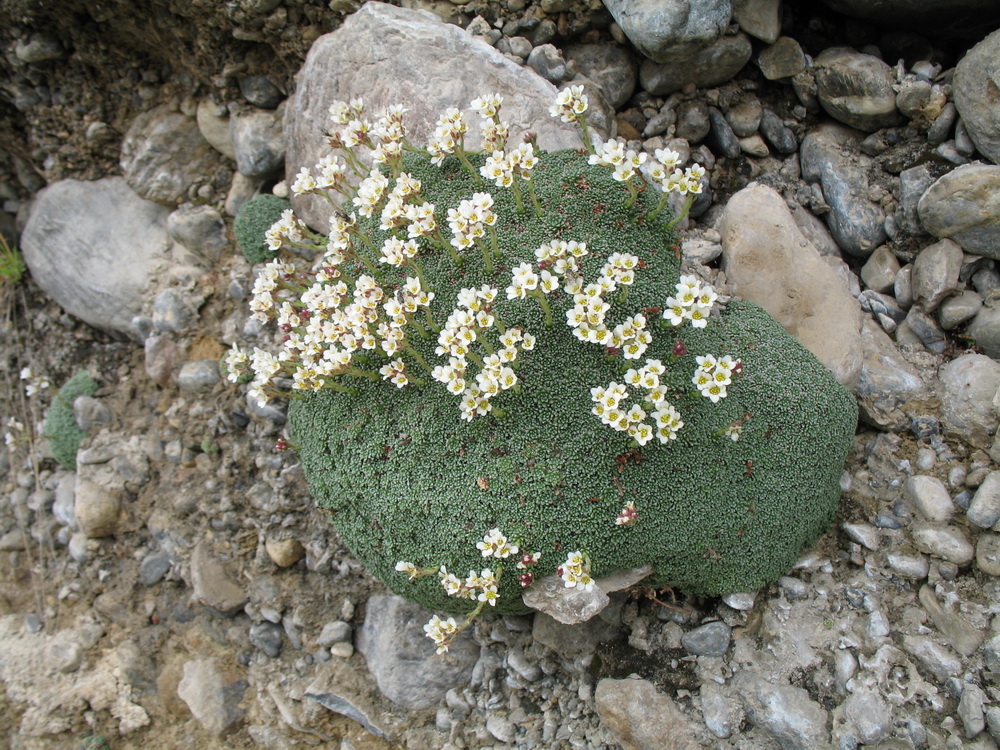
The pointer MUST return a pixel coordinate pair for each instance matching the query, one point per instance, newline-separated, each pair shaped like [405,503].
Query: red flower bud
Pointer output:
[525,579]
[679,349]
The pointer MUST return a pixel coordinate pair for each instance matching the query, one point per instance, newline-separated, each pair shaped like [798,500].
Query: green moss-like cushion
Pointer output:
[406,479]
[63,433]
[253,219]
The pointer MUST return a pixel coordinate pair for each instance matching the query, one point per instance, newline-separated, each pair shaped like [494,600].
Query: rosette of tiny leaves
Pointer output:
[253,220]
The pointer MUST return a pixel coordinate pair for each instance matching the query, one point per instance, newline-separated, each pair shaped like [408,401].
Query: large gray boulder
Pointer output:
[977,94]
[964,205]
[770,262]
[95,248]
[388,55]
[671,31]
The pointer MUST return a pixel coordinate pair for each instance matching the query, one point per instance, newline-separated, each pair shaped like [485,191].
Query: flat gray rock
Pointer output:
[787,713]
[964,205]
[674,31]
[388,55]
[95,248]
[977,79]
[769,262]
[402,658]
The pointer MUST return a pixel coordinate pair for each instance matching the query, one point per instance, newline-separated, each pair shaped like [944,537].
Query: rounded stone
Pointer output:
[977,79]
[199,377]
[929,497]
[856,89]
[984,510]
[988,553]
[711,66]
[958,309]
[947,542]
[284,552]
[708,640]
[964,205]
[783,59]
[970,385]
[97,509]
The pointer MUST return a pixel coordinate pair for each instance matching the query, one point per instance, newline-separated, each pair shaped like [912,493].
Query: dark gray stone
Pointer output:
[610,66]
[671,32]
[200,376]
[958,309]
[693,123]
[711,66]
[171,312]
[913,184]
[744,116]
[153,568]
[985,329]
[856,223]
[260,91]
[776,133]
[267,636]
[939,131]
[711,639]
[723,139]
[927,330]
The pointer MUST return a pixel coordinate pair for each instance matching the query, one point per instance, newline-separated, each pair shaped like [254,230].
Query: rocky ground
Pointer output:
[177,588]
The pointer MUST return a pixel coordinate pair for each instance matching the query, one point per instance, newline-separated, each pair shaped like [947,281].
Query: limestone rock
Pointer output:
[856,89]
[769,262]
[574,605]
[610,66]
[935,273]
[786,713]
[389,55]
[964,205]
[976,88]
[76,240]
[98,508]
[641,718]
[212,697]
[164,155]
[671,32]
[967,404]
[212,585]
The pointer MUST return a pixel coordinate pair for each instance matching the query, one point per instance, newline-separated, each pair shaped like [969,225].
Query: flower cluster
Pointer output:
[627,516]
[665,173]
[470,220]
[625,164]
[448,137]
[570,104]
[33,384]
[692,302]
[575,572]
[713,375]
[481,587]
[465,325]
[502,168]
[610,409]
